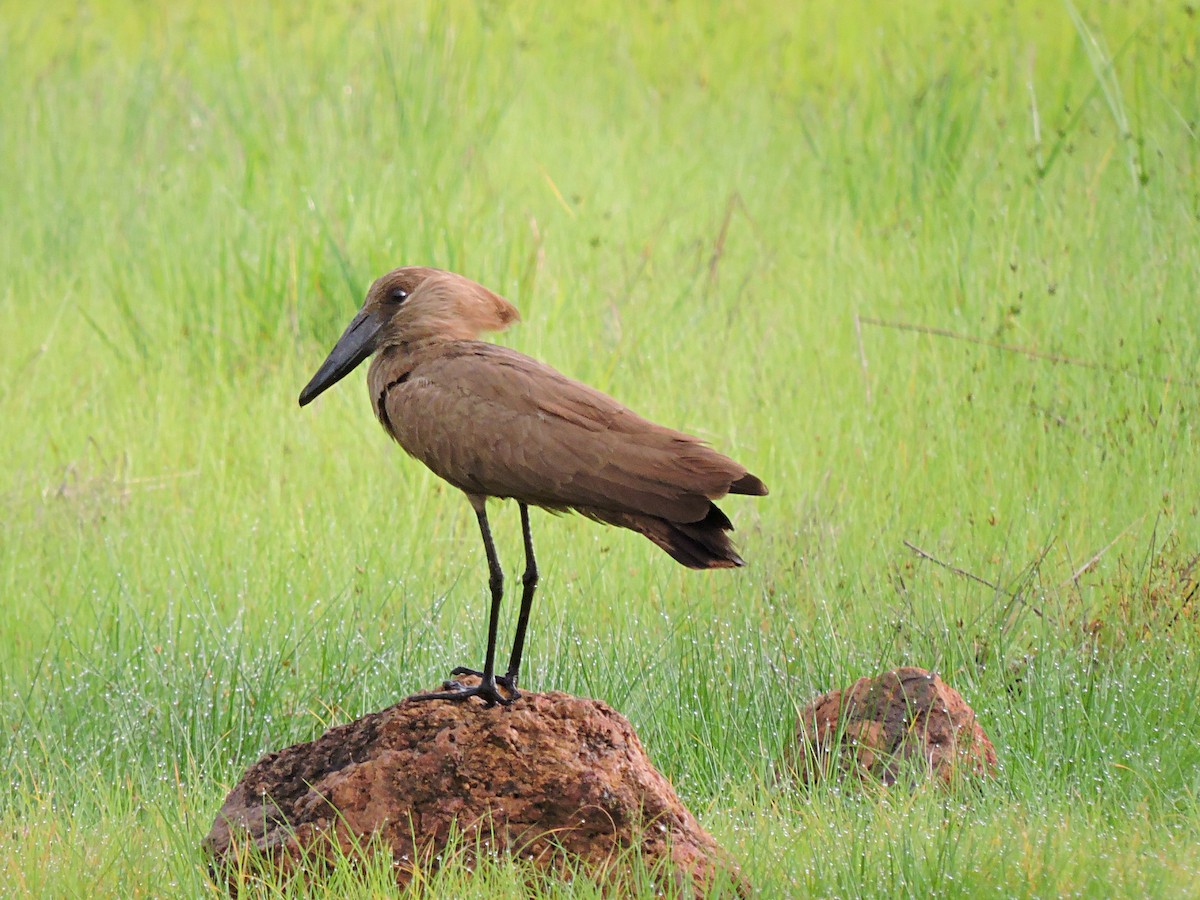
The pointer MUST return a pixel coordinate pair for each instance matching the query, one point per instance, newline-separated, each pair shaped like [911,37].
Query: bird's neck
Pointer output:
[388,364]
[395,362]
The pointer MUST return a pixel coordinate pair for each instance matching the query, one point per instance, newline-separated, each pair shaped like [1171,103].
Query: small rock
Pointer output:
[906,721]
[548,774]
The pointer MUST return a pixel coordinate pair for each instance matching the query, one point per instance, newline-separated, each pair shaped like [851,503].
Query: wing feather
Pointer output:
[493,421]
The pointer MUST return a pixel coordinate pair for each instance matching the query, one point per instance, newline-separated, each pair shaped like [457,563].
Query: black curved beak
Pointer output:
[356,344]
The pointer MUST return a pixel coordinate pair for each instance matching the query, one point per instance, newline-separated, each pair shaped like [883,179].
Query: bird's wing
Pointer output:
[493,421]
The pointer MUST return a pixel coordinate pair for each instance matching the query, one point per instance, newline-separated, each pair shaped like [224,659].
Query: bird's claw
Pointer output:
[459,692]
[508,682]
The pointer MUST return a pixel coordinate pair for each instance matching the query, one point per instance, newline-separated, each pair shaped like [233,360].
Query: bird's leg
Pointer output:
[529,582]
[486,689]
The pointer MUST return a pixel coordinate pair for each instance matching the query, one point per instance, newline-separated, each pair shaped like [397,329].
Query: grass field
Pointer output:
[729,216]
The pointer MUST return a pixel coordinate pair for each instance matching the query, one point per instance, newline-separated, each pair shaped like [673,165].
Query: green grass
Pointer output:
[704,210]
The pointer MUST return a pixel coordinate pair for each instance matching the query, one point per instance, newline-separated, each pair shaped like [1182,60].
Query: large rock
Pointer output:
[907,721]
[557,779]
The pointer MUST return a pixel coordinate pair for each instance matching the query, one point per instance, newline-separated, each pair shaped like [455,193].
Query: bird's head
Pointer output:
[411,306]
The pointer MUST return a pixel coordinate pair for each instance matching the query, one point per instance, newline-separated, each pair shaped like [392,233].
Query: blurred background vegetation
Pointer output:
[929,269]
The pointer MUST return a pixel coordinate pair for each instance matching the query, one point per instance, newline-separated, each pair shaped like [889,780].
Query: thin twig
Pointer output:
[1190,595]
[562,201]
[1057,358]
[1036,568]
[1187,601]
[955,569]
[718,250]
[1012,595]
[1075,576]
[1187,570]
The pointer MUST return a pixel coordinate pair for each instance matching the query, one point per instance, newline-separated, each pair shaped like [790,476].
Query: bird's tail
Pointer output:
[749,484]
[697,545]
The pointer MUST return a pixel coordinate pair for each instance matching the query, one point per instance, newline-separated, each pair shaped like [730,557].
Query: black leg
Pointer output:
[529,582]
[486,689]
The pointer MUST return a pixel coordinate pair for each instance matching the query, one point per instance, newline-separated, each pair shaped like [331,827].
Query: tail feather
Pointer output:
[749,484]
[697,545]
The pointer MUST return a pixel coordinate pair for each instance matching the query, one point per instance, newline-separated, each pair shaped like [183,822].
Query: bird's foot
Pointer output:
[508,682]
[487,691]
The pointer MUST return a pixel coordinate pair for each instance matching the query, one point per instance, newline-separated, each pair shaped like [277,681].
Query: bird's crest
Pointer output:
[430,304]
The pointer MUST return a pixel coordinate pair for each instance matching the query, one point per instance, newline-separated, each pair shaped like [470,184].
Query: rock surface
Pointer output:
[905,722]
[549,774]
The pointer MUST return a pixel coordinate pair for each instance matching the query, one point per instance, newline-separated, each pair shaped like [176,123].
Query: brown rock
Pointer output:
[905,721]
[555,779]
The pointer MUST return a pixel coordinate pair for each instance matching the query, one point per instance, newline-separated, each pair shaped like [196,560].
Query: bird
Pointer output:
[496,423]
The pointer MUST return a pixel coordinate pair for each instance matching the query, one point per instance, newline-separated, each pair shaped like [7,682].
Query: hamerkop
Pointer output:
[496,423]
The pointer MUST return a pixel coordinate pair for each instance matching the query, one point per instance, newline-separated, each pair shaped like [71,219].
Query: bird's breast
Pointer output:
[438,425]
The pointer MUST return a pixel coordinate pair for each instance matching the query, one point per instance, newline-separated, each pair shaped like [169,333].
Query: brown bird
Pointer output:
[496,423]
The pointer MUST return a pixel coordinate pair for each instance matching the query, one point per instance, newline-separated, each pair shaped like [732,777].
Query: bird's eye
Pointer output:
[398,295]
